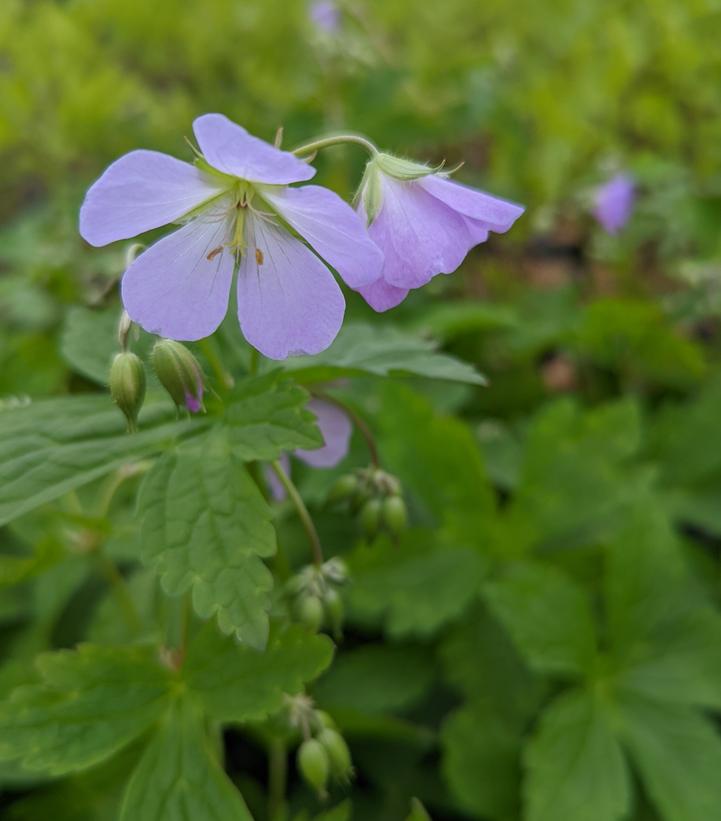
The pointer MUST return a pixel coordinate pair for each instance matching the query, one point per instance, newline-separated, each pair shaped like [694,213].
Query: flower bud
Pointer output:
[339,758]
[127,385]
[334,611]
[370,517]
[395,515]
[323,720]
[179,373]
[309,611]
[335,570]
[314,765]
[343,489]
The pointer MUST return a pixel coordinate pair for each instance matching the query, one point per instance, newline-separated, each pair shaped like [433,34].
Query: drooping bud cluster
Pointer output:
[323,754]
[179,373]
[314,597]
[376,498]
[127,385]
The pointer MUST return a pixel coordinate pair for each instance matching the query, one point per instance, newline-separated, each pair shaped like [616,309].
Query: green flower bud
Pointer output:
[127,385]
[179,373]
[370,517]
[343,489]
[309,611]
[335,570]
[395,515]
[314,765]
[323,720]
[334,611]
[334,744]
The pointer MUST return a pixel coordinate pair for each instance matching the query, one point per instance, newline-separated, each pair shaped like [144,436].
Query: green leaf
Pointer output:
[440,462]
[206,528]
[376,679]
[418,812]
[481,760]
[665,636]
[576,480]
[414,586]
[52,447]
[266,416]
[179,778]
[575,765]
[237,683]
[90,703]
[547,615]
[678,754]
[363,349]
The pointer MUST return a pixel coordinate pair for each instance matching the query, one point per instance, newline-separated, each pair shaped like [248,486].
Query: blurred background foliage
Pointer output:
[546,642]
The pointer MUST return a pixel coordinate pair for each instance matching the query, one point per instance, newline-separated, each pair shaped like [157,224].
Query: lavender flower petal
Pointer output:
[333,229]
[229,148]
[325,15]
[179,288]
[496,214]
[381,296]
[336,428]
[614,203]
[288,301]
[140,191]
[419,236]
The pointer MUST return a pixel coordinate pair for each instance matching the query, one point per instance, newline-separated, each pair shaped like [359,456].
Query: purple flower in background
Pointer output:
[325,15]
[233,205]
[614,202]
[335,428]
[424,223]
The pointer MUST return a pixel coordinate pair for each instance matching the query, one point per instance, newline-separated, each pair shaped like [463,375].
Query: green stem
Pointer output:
[302,511]
[358,421]
[254,361]
[336,139]
[210,351]
[120,591]
[277,775]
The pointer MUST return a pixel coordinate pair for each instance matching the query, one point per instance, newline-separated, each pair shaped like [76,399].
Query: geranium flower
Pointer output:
[325,16]
[424,223]
[237,212]
[614,202]
[336,429]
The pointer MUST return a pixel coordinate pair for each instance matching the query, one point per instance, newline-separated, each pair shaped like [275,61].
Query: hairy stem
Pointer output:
[302,511]
[336,139]
[358,421]
[120,591]
[277,775]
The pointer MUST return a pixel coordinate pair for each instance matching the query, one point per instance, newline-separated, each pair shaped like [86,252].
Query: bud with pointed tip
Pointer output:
[339,758]
[127,385]
[179,373]
[314,764]
[334,611]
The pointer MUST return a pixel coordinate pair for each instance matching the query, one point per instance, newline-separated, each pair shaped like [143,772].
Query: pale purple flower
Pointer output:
[336,429]
[233,205]
[424,223]
[325,15]
[614,202]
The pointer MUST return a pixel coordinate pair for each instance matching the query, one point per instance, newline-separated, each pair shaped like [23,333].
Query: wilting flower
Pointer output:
[234,204]
[335,427]
[424,223]
[614,202]
[325,15]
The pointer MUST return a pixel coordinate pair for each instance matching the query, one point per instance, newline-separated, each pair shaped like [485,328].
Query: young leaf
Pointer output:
[575,765]
[678,753]
[376,679]
[237,683]
[179,778]
[665,636]
[547,615]
[266,416]
[481,760]
[380,351]
[89,704]
[415,586]
[206,528]
[57,445]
